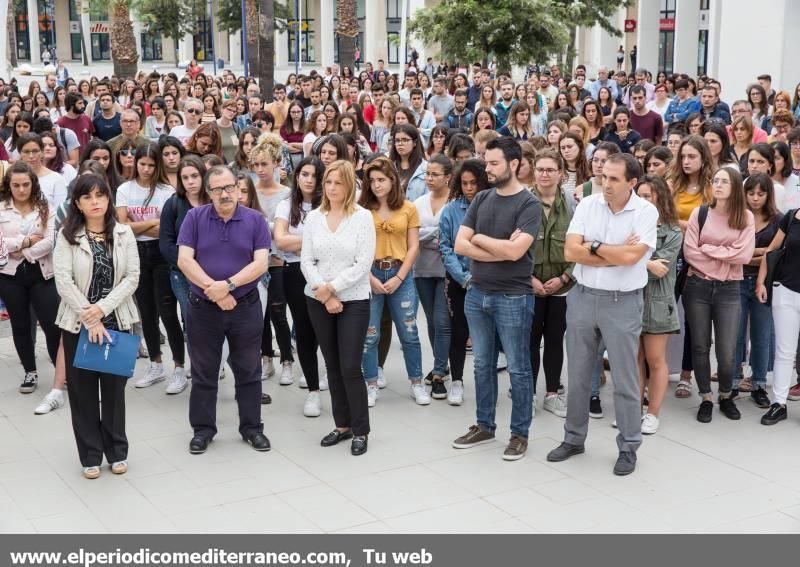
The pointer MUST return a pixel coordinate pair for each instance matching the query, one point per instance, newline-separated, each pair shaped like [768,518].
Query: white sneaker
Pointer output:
[502,363]
[556,404]
[649,424]
[267,367]
[303,383]
[313,406]
[52,401]
[178,382]
[420,394]
[372,395]
[455,397]
[286,374]
[323,383]
[381,378]
[153,375]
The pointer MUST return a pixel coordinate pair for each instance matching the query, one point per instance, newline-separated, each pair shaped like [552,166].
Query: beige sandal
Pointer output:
[684,389]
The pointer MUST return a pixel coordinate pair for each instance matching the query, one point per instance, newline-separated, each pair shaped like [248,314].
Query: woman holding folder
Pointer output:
[97,272]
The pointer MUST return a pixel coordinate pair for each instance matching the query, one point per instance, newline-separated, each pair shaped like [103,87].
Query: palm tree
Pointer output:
[251,9]
[12,35]
[123,41]
[347,28]
[266,46]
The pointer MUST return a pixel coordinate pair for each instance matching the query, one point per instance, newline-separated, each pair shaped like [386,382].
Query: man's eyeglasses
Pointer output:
[229,189]
[194,111]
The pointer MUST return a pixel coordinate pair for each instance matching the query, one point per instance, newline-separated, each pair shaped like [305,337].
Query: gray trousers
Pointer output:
[615,318]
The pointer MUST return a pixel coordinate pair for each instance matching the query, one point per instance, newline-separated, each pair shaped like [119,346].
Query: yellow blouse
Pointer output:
[391,236]
[685,202]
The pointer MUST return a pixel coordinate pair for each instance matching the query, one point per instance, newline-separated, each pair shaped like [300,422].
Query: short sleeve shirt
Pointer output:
[391,235]
[135,197]
[282,211]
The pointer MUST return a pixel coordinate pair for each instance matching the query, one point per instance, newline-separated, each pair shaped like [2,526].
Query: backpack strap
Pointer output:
[702,215]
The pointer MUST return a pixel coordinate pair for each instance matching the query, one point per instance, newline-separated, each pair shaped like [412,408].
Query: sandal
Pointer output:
[684,389]
[746,385]
[91,473]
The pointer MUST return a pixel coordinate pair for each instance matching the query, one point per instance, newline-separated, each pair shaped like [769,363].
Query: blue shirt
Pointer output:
[107,128]
[678,110]
[222,248]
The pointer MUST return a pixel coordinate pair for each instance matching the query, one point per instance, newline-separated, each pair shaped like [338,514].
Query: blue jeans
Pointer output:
[434,304]
[403,309]
[180,287]
[510,317]
[762,345]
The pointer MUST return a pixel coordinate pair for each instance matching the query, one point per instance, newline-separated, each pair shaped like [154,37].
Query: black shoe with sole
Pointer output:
[705,411]
[595,408]
[199,444]
[776,413]
[359,445]
[335,436]
[626,463]
[760,398]
[266,399]
[438,390]
[429,378]
[729,409]
[564,452]
[259,442]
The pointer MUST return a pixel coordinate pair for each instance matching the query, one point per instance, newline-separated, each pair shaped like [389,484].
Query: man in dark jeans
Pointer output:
[223,251]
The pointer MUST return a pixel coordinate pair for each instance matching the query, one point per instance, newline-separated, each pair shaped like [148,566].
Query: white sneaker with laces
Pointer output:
[178,382]
[267,367]
[556,404]
[420,394]
[381,378]
[286,374]
[323,383]
[313,406]
[303,383]
[52,401]
[455,397]
[153,375]
[372,394]
[650,424]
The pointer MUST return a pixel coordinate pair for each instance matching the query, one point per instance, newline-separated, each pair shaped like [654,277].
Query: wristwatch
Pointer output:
[595,246]
[231,285]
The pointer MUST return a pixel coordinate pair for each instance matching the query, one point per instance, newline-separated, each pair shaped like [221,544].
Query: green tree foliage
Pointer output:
[170,18]
[229,15]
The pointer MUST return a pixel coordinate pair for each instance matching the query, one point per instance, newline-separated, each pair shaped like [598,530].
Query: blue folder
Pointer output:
[117,357]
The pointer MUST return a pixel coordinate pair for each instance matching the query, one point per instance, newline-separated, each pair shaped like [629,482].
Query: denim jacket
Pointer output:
[416,185]
[452,216]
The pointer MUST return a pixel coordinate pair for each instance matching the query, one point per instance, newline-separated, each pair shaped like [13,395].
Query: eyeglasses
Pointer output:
[194,111]
[126,152]
[259,124]
[227,188]
[720,181]
[129,121]
[546,170]
[403,140]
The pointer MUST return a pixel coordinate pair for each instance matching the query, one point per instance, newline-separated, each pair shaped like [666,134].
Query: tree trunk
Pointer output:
[266,47]
[12,35]
[347,30]
[252,14]
[123,42]
[573,38]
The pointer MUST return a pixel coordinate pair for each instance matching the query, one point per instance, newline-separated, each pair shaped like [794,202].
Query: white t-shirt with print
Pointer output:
[282,212]
[133,196]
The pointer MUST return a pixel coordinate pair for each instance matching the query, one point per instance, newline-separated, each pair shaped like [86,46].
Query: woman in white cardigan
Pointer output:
[97,273]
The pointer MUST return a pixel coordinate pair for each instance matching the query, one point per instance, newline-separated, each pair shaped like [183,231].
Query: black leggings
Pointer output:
[550,322]
[276,312]
[306,338]
[459,330]
[156,299]
[24,289]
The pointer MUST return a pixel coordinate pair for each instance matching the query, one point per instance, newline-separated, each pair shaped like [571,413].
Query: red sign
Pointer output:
[99,27]
[630,26]
[666,24]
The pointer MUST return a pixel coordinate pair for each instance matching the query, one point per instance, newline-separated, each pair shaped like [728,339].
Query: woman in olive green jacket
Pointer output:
[552,278]
[660,314]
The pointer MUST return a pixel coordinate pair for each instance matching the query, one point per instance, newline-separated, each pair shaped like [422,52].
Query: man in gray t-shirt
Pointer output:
[440,103]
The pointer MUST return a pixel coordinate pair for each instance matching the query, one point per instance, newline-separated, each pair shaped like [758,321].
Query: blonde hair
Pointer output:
[486,136]
[583,124]
[270,145]
[348,174]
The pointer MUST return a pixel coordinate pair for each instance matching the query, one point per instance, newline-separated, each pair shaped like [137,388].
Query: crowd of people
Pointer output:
[598,218]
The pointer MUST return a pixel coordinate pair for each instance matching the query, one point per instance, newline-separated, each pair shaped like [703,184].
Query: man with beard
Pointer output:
[503,106]
[76,120]
[497,235]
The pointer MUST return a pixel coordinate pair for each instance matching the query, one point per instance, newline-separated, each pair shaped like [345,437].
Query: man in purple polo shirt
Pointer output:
[223,251]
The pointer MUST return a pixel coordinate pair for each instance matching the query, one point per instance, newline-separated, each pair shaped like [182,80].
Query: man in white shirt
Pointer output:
[192,111]
[425,120]
[546,90]
[610,239]
[410,83]
[604,81]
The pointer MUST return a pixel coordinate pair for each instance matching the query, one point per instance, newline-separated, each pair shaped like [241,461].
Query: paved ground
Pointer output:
[728,477]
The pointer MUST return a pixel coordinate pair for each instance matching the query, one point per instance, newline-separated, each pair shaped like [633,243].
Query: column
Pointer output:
[647,31]
[186,48]
[87,35]
[281,50]
[4,54]
[33,32]
[63,32]
[137,35]
[687,25]
[326,33]
[604,51]
[235,48]
[375,32]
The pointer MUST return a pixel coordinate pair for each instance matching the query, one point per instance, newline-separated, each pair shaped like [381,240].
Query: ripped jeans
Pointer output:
[403,309]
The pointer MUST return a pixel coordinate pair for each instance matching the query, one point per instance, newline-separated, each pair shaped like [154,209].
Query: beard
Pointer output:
[501,180]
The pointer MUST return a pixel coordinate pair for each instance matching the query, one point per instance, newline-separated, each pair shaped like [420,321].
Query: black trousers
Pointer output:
[99,426]
[25,289]
[385,344]
[294,284]
[550,323]
[459,329]
[207,327]
[341,338]
[276,312]
[156,299]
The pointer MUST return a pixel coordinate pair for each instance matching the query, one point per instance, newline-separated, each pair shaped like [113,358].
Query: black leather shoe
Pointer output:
[564,452]
[705,411]
[359,445]
[626,463]
[266,399]
[729,409]
[199,444]
[259,442]
[335,436]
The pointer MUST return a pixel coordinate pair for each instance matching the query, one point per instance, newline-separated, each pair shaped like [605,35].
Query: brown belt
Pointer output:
[387,264]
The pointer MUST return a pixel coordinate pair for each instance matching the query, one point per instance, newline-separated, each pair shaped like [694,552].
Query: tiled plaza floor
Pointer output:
[726,477]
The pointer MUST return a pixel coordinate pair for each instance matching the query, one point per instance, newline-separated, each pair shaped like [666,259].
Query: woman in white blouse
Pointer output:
[336,258]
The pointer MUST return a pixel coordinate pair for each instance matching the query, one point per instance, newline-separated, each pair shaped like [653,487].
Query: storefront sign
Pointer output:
[100,27]
[630,26]
[666,24]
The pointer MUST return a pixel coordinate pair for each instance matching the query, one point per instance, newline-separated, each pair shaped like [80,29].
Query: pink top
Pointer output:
[721,250]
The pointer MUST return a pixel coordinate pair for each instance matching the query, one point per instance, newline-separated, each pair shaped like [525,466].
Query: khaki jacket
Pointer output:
[73,268]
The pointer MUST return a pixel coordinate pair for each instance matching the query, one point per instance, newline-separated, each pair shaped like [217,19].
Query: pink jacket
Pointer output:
[720,251]
[42,251]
